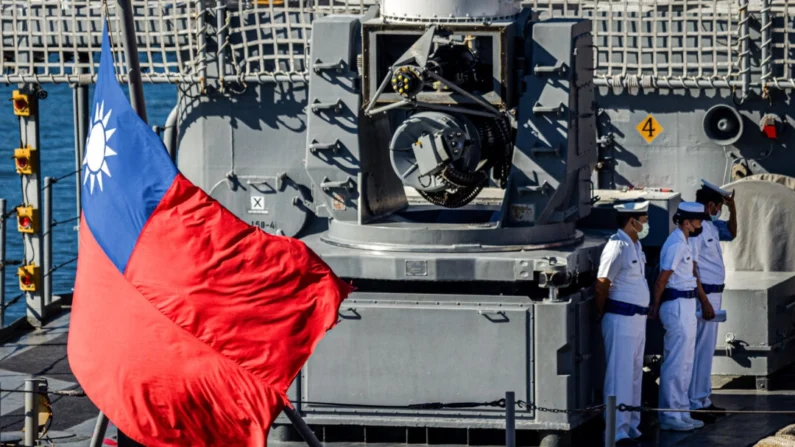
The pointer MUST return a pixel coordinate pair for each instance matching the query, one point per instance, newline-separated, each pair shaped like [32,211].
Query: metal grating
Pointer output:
[271,38]
[782,42]
[640,43]
[60,40]
[658,41]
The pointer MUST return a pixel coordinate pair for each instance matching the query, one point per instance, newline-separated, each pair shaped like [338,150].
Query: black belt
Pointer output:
[673,294]
[626,309]
[712,288]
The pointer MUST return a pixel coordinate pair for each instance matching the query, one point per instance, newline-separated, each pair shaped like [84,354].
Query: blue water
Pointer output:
[57,159]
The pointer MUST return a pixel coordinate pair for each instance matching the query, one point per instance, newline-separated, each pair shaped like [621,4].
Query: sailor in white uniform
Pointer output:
[675,294]
[711,272]
[622,299]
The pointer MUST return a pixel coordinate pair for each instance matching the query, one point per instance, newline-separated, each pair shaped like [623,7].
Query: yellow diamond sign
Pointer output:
[649,129]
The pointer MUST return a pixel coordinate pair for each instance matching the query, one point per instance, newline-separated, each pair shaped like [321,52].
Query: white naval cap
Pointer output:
[633,207]
[691,207]
[691,210]
[715,188]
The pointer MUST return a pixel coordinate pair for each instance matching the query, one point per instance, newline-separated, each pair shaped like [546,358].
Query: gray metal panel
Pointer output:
[334,116]
[391,350]
[760,322]
[400,350]
[589,356]
[247,152]
[682,155]
[555,136]
[555,368]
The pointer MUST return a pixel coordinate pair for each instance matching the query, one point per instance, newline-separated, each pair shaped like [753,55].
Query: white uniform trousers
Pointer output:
[679,320]
[706,340]
[625,339]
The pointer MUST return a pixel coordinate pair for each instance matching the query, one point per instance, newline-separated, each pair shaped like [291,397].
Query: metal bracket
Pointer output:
[334,147]
[328,185]
[320,66]
[538,109]
[332,106]
[730,340]
[557,69]
[494,316]
[523,270]
[353,314]
[276,182]
[555,277]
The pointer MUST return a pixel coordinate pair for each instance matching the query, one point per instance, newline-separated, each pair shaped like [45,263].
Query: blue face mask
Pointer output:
[715,216]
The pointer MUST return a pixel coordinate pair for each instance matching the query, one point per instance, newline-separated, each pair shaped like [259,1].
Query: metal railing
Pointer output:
[47,267]
[639,43]
[60,40]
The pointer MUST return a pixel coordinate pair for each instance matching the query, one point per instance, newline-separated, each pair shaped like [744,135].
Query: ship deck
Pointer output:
[42,353]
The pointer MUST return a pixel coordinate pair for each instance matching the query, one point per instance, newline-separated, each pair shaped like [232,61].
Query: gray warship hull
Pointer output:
[457,161]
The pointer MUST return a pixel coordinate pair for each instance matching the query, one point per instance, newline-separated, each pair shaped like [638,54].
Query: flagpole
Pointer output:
[131,57]
[303,429]
[138,104]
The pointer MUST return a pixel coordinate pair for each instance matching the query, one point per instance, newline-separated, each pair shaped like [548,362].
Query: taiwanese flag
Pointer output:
[188,325]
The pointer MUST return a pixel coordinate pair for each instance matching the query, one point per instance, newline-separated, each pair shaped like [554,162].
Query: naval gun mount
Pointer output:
[481,286]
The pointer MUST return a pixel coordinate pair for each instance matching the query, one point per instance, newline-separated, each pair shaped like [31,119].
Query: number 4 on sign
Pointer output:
[649,129]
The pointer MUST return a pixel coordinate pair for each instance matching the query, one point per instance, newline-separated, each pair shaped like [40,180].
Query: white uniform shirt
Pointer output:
[708,252]
[624,264]
[678,256]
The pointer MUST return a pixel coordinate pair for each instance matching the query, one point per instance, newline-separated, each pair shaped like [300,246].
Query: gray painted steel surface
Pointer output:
[605,96]
[449,10]
[394,349]
[758,337]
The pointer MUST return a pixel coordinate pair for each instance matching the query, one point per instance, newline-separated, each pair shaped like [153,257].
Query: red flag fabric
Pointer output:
[188,325]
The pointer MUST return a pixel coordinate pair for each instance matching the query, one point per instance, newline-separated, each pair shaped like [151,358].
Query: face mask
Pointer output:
[715,216]
[696,232]
[644,231]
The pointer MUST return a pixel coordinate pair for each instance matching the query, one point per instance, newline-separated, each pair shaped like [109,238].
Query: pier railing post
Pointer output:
[98,437]
[80,105]
[32,390]
[31,197]
[610,422]
[510,419]
[46,257]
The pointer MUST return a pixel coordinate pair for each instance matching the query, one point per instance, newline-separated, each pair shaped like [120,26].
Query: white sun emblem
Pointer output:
[97,148]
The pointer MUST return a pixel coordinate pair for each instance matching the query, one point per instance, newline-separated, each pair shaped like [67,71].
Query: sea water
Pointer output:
[57,159]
